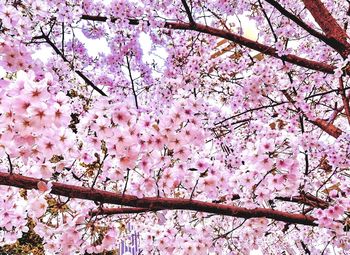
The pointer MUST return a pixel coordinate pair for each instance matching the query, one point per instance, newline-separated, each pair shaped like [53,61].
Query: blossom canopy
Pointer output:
[185,126]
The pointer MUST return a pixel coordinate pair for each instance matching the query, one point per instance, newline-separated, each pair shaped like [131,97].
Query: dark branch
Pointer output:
[10,163]
[310,64]
[104,19]
[132,82]
[58,52]
[152,203]
[302,24]
[188,11]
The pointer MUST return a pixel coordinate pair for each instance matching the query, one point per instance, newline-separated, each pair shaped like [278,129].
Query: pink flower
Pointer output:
[158,142]
[109,239]
[209,185]
[121,116]
[266,145]
[334,211]
[36,92]
[264,164]
[20,105]
[182,153]
[102,128]
[275,182]
[145,163]
[325,221]
[283,163]
[40,115]
[47,146]
[247,180]
[43,186]
[128,159]
[202,165]
[262,194]
[37,206]
[61,115]
[149,184]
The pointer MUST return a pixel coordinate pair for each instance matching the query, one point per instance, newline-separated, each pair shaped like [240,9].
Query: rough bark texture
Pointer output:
[329,26]
[329,128]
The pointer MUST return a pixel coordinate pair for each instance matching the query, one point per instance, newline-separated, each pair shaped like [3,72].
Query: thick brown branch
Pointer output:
[152,203]
[310,64]
[329,25]
[306,199]
[329,128]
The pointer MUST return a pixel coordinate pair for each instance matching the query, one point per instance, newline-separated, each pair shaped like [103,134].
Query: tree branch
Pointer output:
[58,52]
[345,99]
[329,26]
[329,128]
[188,11]
[10,163]
[302,24]
[104,19]
[268,21]
[124,210]
[307,199]
[102,196]
[132,82]
[310,64]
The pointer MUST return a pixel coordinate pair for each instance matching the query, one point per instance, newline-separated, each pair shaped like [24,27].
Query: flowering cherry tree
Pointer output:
[205,141]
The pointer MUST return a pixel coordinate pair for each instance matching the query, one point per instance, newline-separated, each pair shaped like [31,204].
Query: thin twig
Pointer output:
[345,99]
[298,21]
[324,183]
[62,43]
[132,82]
[99,170]
[58,52]
[229,232]
[192,193]
[327,245]
[126,181]
[10,163]
[325,93]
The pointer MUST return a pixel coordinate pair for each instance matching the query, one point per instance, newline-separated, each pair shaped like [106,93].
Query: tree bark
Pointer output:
[152,203]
